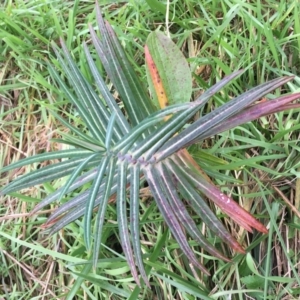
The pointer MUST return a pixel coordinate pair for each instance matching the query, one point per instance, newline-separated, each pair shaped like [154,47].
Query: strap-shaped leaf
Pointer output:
[109,132]
[59,223]
[228,205]
[162,134]
[62,154]
[80,181]
[75,174]
[183,215]
[94,107]
[64,209]
[154,180]
[80,107]
[76,131]
[142,97]
[109,99]
[122,219]
[254,112]
[48,173]
[94,190]
[150,145]
[79,202]
[188,109]
[200,207]
[121,73]
[129,139]
[71,215]
[111,170]
[114,71]
[134,219]
[190,134]
[78,143]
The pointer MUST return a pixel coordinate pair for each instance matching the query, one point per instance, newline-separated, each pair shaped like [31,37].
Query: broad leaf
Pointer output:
[169,71]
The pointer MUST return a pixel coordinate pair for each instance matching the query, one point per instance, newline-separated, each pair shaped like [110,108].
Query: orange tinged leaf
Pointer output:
[173,69]
[226,204]
[156,80]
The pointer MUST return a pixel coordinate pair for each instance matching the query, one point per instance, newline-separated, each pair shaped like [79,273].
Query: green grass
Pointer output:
[250,162]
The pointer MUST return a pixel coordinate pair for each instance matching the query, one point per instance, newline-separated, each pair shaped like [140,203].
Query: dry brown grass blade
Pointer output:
[287,202]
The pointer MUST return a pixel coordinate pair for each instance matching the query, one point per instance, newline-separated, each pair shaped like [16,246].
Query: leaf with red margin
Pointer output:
[156,81]
[226,204]
[171,67]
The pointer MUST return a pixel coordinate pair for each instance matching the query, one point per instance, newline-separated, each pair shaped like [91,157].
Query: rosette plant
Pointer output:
[143,142]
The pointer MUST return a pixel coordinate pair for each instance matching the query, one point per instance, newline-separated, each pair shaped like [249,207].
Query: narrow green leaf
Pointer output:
[69,207]
[134,219]
[191,134]
[154,179]
[254,112]
[47,173]
[102,283]
[183,215]
[78,282]
[79,106]
[109,99]
[79,201]
[62,154]
[153,142]
[111,170]
[183,285]
[252,266]
[80,181]
[121,73]
[201,208]
[91,200]
[79,143]
[122,219]
[93,106]
[142,101]
[40,249]
[162,134]
[75,175]
[129,139]
[109,132]
[70,216]
[78,132]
